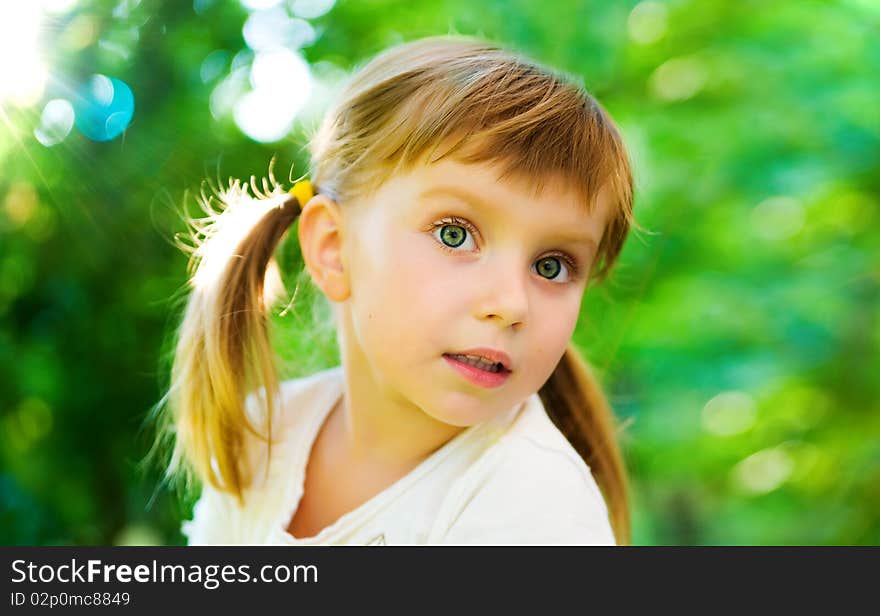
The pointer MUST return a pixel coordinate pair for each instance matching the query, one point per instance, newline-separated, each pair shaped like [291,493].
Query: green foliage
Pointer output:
[738,340]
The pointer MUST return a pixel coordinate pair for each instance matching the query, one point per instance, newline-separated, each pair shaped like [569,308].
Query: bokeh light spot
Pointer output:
[275,29]
[647,22]
[778,218]
[678,79]
[227,92]
[258,5]
[214,65]
[124,8]
[728,413]
[311,9]
[263,117]
[104,108]
[100,88]
[20,203]
[764,471]
[139,534]
[55,122]
[282,86]
[82,32]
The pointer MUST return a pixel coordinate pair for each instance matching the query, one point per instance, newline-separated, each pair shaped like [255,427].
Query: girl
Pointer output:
[461,199]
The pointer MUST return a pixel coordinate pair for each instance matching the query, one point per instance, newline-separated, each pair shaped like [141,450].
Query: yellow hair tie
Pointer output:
[303,192]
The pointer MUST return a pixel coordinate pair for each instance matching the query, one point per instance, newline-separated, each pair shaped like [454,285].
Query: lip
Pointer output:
[493,355]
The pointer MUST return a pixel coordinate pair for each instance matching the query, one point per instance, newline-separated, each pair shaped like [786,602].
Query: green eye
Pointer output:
[453,235]
[549,267]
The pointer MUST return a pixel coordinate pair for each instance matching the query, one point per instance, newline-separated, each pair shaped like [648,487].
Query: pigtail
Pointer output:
[223,350]
[575,403]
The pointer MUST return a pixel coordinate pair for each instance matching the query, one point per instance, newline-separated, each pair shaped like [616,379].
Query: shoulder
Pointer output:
[217,515]
[214,519]
[300,398]
[534,454]
[313,382]
[294,410]
[297,394]
[530,487]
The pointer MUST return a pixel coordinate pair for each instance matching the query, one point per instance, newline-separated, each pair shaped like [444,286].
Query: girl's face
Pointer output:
[447,259]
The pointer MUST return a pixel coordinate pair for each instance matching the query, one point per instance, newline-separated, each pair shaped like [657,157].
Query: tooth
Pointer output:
[479,362]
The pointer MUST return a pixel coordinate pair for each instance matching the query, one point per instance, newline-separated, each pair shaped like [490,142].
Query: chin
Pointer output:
[463,411]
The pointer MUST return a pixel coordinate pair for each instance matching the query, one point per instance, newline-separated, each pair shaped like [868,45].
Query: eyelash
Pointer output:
[573,265]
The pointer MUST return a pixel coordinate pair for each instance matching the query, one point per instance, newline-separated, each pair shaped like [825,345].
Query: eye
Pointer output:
[453,233]
[550,267]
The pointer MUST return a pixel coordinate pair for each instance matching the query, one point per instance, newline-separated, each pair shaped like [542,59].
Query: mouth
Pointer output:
[478,370]
[479,362]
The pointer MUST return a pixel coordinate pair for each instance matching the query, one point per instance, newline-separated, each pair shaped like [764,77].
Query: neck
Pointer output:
[376,429]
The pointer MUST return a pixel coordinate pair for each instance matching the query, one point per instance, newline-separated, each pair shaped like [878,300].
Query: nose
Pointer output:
[505,298]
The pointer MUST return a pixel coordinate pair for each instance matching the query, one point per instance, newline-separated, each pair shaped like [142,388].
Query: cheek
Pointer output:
[551,336]
[415,277]
[436,281]
[401,290]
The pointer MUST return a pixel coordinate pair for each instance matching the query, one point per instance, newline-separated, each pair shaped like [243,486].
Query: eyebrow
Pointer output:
[473,198]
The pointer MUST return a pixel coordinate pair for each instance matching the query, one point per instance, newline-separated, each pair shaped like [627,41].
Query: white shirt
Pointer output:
[513,479]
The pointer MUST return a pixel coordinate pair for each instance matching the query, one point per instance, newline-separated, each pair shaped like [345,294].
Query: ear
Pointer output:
[321,239]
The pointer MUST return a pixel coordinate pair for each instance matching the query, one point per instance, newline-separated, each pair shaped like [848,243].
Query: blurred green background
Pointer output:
[738,342]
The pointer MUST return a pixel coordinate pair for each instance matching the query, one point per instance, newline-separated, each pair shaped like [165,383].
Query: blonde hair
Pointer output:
[481,103]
